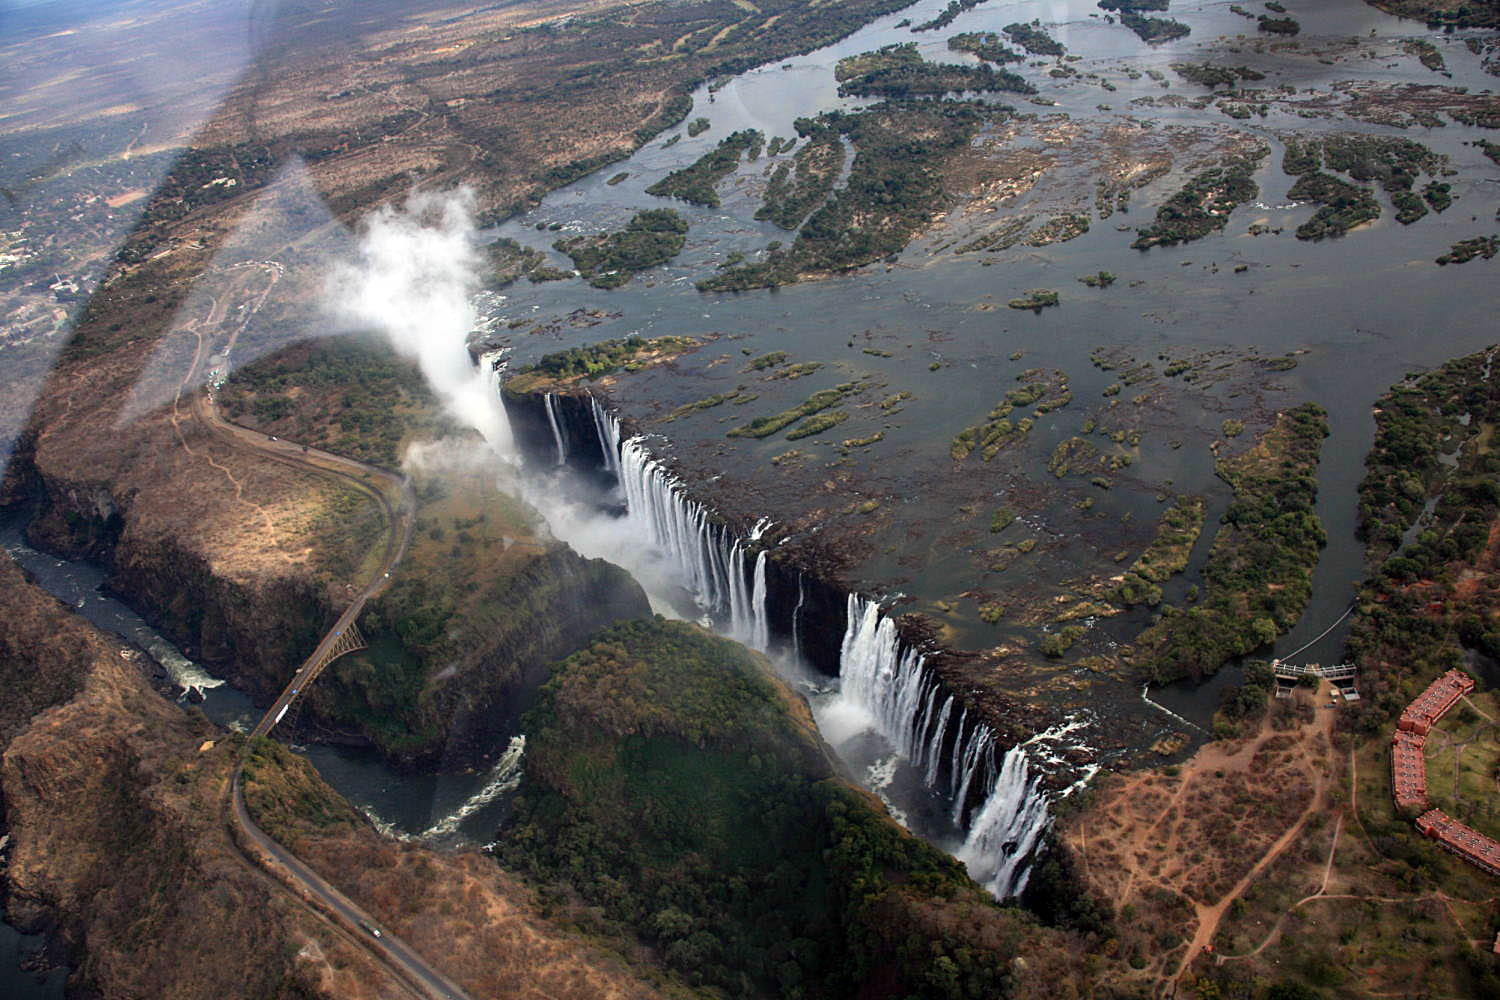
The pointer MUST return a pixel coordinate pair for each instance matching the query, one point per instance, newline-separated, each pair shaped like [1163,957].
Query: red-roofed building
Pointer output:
[1469,844]
[1409,770]
[1429,706]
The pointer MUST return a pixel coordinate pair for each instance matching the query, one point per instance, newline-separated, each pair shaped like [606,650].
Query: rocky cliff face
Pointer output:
[235,589]
[451,697]
[119,847]
[115,804]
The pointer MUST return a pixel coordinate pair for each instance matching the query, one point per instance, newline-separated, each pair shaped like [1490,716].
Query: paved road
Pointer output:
[376,483]
[383,486]
[395,953]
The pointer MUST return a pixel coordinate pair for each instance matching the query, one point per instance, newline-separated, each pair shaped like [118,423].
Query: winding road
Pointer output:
[397,501]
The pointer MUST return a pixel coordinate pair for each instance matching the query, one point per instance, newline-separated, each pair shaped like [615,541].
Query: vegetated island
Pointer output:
[609,260]
[696,182]
[986,45]
[1466,250]
[899,71]
[1154,30]
[1034,40]
[796,188]
[1203,205]
[1396,163]
[1211,76]
[1258,577]
[948,14]
[894,188]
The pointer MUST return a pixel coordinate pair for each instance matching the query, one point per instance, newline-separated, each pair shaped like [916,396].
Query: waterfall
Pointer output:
[549,402]
[492,365]
[608,426]
[1006,828]
[880,677]
[760,628]
[708,557]
[796,615]
[895,688]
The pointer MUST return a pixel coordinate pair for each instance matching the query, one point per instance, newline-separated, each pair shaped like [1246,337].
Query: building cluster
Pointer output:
[1409,773]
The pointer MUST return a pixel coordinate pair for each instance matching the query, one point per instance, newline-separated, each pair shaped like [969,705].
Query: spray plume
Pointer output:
[415,280]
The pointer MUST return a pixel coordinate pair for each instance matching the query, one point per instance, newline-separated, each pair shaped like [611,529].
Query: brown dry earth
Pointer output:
[114,803]
[117,836]
[1172,852]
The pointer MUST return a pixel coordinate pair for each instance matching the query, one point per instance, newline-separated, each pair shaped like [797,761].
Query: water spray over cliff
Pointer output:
[414,281]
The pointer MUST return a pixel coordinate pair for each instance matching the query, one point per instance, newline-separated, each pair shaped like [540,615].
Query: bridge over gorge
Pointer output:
[342,639]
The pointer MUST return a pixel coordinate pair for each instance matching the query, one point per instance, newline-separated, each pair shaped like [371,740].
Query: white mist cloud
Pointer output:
[414,280]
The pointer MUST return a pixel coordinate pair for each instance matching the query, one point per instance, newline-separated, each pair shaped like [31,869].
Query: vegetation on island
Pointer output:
[797,188]
[1447,14]
[1427,54]
[1425,607]
[894,188]
[510,261]
[769,360]
[591,361]
[1203,205]
[697,127]
[899,71]
[1134,6]
[1466,250]
[1100,279]
[681,791]
[825,399]
[609,260]
[1417,423]
[986,45]
[948,14]
[1036,300]
[1343,206]
[1211,76]
[1034,40]
[1166,556]
[1277,25]
[696,182]
[1154,30]
[817,424]
[1041,390]
[1395,163]
[1258,576]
